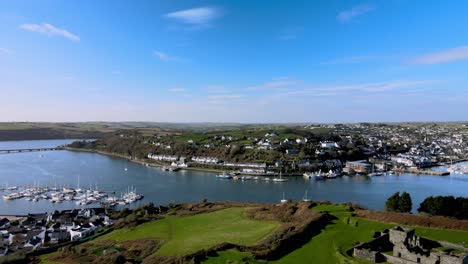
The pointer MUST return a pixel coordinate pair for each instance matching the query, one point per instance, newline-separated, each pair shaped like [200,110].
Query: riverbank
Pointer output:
[423,172]
[154,163]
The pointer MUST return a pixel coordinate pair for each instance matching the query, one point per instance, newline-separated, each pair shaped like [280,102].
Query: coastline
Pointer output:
[151,163]
[139,161]
[159,165]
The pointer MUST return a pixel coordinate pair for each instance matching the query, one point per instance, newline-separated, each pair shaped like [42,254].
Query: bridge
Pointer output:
[6,151]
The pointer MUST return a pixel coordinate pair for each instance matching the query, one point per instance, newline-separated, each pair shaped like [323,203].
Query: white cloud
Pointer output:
[357,59]
[195,16]
[217,89]
[444,56]
[348,15]
[4,50]
[225,98]
[278,83]
[50,30]
[161,55]
[176,90]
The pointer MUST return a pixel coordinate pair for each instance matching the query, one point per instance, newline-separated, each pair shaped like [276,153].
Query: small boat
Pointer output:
[280,179]
[224,175]
[284,200]
[331,175]
[68,190]
[305,198]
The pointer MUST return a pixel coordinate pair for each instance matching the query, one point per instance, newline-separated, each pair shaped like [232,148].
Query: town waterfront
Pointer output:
[63,168]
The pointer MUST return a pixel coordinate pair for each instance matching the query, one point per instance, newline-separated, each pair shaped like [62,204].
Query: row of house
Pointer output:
[36,231]
[163,157]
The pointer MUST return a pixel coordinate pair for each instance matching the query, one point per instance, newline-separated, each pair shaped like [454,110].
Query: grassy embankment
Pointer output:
[185,235]
[189,234]
[331,244]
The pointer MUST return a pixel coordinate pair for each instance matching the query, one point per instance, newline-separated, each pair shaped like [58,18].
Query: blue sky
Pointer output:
[233,61]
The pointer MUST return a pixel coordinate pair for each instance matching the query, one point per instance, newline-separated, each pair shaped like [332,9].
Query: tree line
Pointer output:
[450,206]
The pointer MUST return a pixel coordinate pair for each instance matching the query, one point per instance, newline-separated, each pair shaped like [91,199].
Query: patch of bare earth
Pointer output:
[417,220]
[108,251]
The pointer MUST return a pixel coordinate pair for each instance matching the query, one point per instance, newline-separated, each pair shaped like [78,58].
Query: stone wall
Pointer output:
[396,260]
[399,234]
[452,245]
[401,251]
[365,253]
[448,259]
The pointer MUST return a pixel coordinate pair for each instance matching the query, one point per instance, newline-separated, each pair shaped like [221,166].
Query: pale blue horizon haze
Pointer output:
[233,61]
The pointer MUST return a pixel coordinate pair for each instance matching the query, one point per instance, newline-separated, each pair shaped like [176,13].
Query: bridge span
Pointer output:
[6,151]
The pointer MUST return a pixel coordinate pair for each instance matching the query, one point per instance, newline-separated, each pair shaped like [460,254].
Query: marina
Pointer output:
[78,195]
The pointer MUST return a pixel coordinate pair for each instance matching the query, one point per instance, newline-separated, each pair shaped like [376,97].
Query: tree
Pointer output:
[446,206]
[392,203]
[400,204]
[405,203]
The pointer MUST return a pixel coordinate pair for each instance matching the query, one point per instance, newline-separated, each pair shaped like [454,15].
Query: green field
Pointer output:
[330,245]
[233,257]
[185,235]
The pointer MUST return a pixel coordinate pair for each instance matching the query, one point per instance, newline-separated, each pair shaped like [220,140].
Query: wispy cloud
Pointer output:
[225,98]
[4,50]
[278,83]
[176,90]
[161,55]
[217,89]
[200,16]
[444,56]
[356,59]
[50,30]
[378,86]
[347,15]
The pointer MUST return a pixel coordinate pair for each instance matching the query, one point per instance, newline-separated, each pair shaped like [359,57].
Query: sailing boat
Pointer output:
[78,189]
[284,200]
[373,173]
[305,198]
[280,179]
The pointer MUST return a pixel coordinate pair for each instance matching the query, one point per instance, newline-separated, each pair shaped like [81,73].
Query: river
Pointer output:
[63,168]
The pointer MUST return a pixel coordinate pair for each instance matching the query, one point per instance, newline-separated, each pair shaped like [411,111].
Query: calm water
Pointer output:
[64,167]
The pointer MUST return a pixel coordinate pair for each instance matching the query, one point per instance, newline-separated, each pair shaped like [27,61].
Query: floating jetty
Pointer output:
[79,196]
[426,172]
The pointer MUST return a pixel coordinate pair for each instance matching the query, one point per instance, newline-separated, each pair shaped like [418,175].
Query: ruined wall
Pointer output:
[401,251]
[398,235]
[452,245]
[366,254]
[396,260]
[448,259]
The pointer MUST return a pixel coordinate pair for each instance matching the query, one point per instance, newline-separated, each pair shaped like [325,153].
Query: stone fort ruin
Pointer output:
[401,246]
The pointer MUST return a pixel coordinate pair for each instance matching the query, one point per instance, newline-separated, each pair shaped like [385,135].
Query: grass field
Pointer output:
[331,244]
[233,257]
[185,235]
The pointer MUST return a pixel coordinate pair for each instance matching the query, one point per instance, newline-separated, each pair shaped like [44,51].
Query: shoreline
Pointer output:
[160,165]
[156,164]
